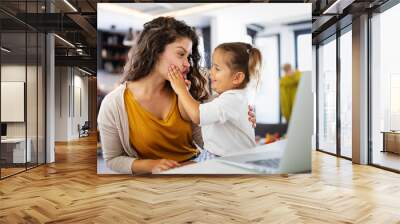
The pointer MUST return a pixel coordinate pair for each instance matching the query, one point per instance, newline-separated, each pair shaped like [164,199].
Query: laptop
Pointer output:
[296,156]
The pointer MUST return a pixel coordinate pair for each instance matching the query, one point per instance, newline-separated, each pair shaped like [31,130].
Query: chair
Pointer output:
[84,130]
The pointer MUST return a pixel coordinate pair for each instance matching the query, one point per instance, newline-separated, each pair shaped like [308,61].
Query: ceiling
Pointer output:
[76,22]
[329,16]
[80,26]
[125,15]
[159,8]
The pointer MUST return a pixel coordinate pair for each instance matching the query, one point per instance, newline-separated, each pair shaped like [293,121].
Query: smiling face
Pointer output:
[222,77]
[177,54]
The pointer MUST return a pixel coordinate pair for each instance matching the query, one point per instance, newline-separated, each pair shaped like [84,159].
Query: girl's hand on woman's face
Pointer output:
[178,83]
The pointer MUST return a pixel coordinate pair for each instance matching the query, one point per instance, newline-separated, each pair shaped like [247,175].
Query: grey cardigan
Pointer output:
[113,126]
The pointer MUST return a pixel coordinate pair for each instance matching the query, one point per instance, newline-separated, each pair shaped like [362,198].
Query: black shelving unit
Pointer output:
[112,52]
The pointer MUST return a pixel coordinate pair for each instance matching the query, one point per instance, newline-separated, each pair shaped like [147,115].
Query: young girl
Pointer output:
[223,121]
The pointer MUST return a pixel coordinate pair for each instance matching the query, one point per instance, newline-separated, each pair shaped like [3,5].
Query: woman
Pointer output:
[140,126]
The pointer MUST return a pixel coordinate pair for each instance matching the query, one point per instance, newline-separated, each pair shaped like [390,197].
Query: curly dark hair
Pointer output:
[152,41]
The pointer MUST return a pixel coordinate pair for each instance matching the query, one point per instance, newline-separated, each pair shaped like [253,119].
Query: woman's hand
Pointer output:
[178,83]
[141,166]
[252,116]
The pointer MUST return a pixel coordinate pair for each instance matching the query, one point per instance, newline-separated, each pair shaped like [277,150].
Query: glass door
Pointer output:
[385,89]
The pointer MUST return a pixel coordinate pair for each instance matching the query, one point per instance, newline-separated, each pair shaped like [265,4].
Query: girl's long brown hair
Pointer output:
[245,58]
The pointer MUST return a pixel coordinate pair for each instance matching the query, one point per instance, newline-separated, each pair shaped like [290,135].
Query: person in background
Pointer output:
[288,87]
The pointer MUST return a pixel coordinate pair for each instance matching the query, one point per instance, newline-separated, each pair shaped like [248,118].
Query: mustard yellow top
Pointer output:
[154,138]
[288,88]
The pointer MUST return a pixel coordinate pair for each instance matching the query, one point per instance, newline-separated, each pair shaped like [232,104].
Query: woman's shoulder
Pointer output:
[115,94]
[112,99]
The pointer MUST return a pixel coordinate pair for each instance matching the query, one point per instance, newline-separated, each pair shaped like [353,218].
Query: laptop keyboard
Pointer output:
[270,163]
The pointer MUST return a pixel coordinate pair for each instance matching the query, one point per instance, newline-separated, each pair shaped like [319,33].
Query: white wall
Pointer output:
[14,73]
[69,85]
[287,40]
[61,103]
[17,73]
[34,125]
[226,27]
[80,96]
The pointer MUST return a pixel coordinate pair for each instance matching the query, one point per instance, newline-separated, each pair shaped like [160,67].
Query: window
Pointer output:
[327,96]
[22,71]
[266,101]
[303,51]
[394,101]
[346,94]
[385,87]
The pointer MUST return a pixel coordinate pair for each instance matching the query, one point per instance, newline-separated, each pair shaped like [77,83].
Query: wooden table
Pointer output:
[391,141]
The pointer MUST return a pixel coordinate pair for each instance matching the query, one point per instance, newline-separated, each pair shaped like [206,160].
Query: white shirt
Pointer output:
[224,123]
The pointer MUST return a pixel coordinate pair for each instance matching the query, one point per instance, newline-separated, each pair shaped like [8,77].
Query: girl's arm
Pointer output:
[182,111]
[190,105]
